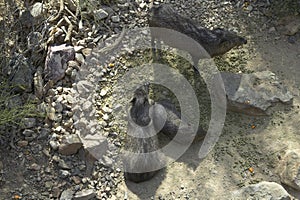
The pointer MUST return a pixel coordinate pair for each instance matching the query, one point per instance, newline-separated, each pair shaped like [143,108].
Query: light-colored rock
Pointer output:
[115,19]
[289,169]
[96,145]
[70,145]
[38,83]
[254,93]
[56,61]
[37,9]
[100,14]
[85,194]
[66,195]
[263,190]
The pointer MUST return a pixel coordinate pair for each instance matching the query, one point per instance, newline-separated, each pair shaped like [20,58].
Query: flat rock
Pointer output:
[56,61]
[96,145]
[66,195]
[85,194]
[263,190]
[21,75]
[289,169]
[289,25]
[70,145]
[100,14]
[253,94]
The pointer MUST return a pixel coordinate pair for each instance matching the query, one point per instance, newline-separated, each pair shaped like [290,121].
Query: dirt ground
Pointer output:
[241,148]
[243,155]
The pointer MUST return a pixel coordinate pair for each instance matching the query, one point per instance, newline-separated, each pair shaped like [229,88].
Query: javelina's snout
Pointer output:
[227,40]
[216,42]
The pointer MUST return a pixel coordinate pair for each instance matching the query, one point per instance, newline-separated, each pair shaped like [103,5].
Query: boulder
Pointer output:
[263,190]
[254,93]
[289,169]
[70,145]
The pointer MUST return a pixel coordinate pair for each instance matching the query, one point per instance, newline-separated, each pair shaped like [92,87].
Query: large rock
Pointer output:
[95,145]
[56,62]
[254,93]
[70,145]
[21,74]
[263,190]
[289,169]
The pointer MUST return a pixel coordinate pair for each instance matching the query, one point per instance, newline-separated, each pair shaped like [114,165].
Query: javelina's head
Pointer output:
[227,41]
[139,111]
[140,96]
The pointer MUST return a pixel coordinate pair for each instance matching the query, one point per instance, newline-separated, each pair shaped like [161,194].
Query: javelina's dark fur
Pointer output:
[140,139]
[216,42]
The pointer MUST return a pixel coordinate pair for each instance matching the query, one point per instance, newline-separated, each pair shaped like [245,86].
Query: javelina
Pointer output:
[216,42]
[141,140]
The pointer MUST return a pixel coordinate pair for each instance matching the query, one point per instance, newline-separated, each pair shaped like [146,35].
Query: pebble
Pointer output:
[104,91]
[22,143]
[85,194]
[63,165]
[35,167]
[54,145]
[115,19]
[66,195]
[100,14]
[29,122]
[79,57]
[28,132]
[65,173]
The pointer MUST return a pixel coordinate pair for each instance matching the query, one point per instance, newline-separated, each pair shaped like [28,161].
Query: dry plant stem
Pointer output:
[70,29]
[70,12]
[61,8]
[111,47]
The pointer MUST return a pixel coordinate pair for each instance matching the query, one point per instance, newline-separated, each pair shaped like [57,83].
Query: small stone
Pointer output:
[272,29]
[51,114]
[54,145]
[85,194]
[100,14]
[28,132]
[29,122]
[76,180]
[56,192]
[78,48]
[70,145]
[44,133]
[105,117]
[63,165]
[115,19]
[79,58]
[35,167]
[64,173]
[66,195]
[36,9]
[292,39]
[22,143]
[107,109]
[86,51]
[58,107]
[103,92]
